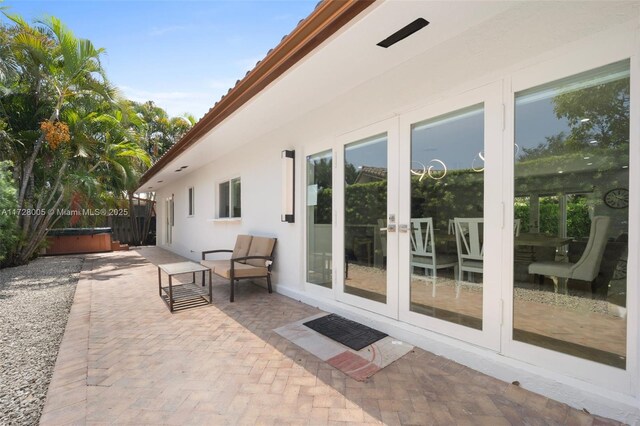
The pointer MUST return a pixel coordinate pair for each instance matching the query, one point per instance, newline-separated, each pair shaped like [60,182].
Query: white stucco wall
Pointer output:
[450,68]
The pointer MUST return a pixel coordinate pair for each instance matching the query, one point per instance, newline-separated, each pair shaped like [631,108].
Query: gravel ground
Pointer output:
[35,300]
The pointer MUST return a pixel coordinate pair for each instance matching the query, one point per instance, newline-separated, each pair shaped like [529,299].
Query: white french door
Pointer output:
[449,255]
[430,165]
[438,215]
[366,206]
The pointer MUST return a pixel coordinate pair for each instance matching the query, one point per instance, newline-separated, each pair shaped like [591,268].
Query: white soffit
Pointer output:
[351,58]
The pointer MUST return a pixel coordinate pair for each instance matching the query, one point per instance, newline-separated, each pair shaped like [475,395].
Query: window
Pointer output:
[191,202]
[319,218]
[229,199]
[572,164]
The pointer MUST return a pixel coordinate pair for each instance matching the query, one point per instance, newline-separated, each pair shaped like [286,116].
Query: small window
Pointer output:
[229,199]
[191,202]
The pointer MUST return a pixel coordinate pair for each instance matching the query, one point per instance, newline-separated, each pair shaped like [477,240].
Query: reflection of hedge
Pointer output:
[459,194]
[323,208]
[578,221]
[365,203]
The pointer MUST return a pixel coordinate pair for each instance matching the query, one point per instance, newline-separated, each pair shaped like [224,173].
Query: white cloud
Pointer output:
[176,102]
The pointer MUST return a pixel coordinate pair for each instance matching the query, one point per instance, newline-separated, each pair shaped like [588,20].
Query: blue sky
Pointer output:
[183,55]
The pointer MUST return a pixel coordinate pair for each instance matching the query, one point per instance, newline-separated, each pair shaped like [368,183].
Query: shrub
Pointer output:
[8,203]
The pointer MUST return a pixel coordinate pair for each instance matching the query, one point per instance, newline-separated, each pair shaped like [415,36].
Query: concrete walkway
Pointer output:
[125,359]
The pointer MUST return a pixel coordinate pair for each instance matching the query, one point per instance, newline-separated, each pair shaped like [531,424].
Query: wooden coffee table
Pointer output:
[186,295]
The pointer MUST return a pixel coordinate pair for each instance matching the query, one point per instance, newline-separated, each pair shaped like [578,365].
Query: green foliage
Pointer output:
[606,106]
[578,220]
[159,131]
[582,162]
[73,141]
[8,203]
[459,194]
[549,215]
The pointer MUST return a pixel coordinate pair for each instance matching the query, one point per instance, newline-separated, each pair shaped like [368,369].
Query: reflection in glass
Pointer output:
[365,203]
[447,199]
[236,196]
[223,198]
[570,261]
[319,214]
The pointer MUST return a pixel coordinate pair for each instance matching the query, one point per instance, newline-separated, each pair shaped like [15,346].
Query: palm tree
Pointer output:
[56,69]
[72,137]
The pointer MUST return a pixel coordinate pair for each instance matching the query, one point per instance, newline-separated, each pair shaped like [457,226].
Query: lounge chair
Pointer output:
[252,257]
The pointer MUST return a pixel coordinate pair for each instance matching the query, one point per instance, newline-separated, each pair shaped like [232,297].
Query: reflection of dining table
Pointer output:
[532,240]
[541,240]
[529,247]
[534,248]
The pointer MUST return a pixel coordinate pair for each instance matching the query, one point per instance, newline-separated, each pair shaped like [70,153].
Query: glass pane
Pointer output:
[319,219]
[236,197]
[447,225]
[365,203]
[223,199]
[572,168]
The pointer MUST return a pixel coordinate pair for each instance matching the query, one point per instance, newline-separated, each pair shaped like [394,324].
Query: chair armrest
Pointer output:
[204,253]
[266,258]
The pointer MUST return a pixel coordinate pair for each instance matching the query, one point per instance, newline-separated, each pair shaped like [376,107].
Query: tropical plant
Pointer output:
[73,140]
[159,131]
[8,203]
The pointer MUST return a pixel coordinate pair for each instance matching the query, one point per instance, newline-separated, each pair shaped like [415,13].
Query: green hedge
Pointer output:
[365,201]
[578,221]
[8,202]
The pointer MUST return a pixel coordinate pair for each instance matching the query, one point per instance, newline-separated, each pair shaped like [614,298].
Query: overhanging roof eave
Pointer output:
[328,17]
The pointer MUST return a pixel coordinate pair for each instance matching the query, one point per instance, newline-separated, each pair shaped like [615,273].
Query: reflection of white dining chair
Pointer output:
[587,267]
[423,248]
[516,227]
[469,244]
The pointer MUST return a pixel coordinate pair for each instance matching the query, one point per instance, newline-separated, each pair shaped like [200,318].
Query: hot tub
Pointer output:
[78,240]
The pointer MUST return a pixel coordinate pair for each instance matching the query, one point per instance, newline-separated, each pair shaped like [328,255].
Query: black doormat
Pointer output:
[349,333]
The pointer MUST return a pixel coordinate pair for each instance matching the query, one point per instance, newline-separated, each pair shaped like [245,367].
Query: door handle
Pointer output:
[390,228]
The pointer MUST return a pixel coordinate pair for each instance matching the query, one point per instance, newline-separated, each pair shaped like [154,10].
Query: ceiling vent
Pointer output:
[403,33]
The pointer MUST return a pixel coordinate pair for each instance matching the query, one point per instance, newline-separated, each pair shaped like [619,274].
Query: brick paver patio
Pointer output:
[126,359]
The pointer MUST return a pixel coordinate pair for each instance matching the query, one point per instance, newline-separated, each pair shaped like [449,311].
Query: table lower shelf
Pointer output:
[185,296]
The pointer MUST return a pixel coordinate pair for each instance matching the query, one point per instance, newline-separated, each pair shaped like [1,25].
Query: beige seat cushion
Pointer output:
[243,242]
[212,264]
[241,270]
[260,246]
